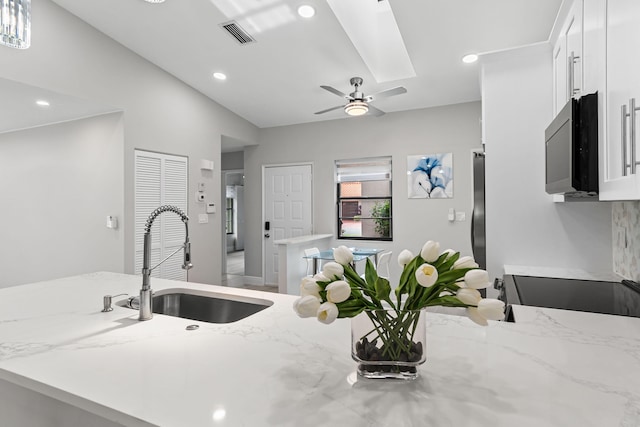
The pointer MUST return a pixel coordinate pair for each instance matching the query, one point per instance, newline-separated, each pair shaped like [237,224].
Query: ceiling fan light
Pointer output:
[356,108]
[15,23]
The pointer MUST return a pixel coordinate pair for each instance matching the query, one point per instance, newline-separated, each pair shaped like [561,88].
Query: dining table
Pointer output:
[359,254]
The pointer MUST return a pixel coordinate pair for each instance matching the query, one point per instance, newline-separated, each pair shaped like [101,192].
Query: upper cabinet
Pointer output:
[567,58]
[595,49]
[620,172]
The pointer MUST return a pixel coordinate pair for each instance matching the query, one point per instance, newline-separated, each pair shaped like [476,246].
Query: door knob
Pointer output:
[267,235]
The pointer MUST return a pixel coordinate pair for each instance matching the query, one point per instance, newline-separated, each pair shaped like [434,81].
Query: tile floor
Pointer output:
[235,274]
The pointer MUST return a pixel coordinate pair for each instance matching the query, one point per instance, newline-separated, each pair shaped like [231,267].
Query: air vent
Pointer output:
[238,32]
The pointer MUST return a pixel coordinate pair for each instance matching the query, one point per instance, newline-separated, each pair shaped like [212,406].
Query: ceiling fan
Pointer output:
[358,103]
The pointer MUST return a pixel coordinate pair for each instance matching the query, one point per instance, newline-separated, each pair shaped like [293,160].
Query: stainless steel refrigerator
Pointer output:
[478,226]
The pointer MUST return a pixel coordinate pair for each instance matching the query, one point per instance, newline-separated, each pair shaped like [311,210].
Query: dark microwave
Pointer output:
[571,153]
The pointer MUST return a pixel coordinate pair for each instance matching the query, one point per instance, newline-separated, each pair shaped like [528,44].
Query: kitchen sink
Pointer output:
[204,306]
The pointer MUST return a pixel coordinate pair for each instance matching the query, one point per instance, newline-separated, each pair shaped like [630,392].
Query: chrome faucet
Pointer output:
[146,312]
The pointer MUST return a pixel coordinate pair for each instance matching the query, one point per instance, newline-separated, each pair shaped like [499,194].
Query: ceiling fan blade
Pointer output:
[389,92]
[329,109]
[336,92]
[373,111]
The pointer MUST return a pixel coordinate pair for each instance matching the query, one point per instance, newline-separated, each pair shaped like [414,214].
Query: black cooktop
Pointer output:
[619,298]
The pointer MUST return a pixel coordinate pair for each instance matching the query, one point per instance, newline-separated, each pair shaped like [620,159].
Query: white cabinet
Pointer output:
[595,49]
[567,58]
[620,171]
[594,54]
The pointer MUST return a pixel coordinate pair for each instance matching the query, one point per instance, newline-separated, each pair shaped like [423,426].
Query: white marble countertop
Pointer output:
[552,368]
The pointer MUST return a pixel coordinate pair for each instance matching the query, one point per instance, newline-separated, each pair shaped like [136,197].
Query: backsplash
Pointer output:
[626,239]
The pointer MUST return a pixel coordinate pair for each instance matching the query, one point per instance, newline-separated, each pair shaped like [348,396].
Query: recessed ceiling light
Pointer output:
[220,76]
[306,11]
[42,103]
[468,59]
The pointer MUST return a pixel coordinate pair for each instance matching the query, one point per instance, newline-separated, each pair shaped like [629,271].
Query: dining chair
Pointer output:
[310,252]
[383,264]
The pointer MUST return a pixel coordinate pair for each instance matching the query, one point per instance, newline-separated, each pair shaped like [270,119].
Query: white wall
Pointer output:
[58,183]
[160,114]
[232,160]
[454,128]
[524,225]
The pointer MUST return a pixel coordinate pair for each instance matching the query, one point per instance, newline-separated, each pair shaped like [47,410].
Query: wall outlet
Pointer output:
[203,218]
[461,216]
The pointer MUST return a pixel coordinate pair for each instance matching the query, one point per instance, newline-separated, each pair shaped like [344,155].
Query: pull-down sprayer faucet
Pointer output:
[146,312]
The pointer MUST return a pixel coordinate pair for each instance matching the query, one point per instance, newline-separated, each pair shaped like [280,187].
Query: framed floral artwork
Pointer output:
[430,176]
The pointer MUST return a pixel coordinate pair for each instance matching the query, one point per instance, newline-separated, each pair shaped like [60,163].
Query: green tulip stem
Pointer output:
[396,333]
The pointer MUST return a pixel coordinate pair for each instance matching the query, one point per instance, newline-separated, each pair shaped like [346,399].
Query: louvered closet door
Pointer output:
[160,179]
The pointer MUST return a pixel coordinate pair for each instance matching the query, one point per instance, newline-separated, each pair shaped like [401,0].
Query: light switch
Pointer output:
[112,222]
[211,208]
[203,218]
[452,214]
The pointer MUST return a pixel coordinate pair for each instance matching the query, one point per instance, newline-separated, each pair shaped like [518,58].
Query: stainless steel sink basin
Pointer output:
[209,307]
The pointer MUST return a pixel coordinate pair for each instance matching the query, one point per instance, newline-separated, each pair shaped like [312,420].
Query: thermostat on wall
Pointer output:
[206,165]
[211,208]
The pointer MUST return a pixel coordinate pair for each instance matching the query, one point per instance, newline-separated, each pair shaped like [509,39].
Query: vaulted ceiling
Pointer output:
[276,80]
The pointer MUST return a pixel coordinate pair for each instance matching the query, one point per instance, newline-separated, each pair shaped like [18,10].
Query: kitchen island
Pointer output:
[62,360]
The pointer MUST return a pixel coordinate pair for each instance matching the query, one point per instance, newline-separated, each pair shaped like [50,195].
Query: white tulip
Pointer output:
[308,286]
[327,312]
[343,255]
[491,309]
[430,251]
[468,296]
[338,291]
[476,279]
[473,314]
[426,275]
[306,306]
[405,257]
[319,277]
[465,262]
[332,269]
[449,252]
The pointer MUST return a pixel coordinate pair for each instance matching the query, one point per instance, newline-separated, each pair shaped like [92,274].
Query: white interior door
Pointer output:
[288,199]
[160,179]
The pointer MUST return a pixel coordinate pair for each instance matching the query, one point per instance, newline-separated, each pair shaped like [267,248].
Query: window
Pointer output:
[364,199]
[229,215]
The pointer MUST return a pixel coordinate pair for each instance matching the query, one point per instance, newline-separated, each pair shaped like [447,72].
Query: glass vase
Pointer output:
[389,343]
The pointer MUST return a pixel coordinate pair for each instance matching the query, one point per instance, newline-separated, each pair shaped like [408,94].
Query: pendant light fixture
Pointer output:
[15,23]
